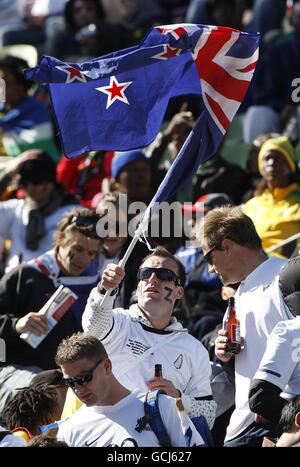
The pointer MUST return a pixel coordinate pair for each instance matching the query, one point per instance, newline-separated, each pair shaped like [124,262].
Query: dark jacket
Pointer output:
[24,290]
[217,175]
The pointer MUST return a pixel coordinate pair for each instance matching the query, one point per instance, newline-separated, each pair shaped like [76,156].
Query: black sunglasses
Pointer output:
[162,274]
[208,257]
[81,380]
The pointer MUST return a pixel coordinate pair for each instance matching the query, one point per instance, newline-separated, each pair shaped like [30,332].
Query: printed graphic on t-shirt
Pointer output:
[128,442]
[178,362]
[136,347]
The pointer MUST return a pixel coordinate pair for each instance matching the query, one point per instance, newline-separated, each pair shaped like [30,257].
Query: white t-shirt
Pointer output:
[114,426]
[14,215]
[259,307]
[280,364]
[184,360]
[134,347]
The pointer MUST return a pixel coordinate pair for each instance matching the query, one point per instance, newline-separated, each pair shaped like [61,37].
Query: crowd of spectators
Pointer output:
[50,208]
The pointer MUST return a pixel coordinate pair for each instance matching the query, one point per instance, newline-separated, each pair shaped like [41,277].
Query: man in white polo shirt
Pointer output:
[233,250]
[277,379]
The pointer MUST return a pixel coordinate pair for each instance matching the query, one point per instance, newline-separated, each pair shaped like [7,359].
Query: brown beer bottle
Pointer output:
[232,326]
[158,371]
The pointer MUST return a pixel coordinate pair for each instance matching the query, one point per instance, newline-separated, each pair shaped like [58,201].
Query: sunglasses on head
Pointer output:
[80,221]
[81,380]
[162,274]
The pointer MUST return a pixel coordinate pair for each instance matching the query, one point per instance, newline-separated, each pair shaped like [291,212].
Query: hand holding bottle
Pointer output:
[158,382]
[221,344]
[229,341]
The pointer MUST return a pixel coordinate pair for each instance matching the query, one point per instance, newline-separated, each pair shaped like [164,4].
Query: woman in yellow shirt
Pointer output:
[275,208]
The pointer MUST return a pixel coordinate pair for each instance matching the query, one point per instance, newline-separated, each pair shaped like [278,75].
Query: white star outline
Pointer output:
[110,100]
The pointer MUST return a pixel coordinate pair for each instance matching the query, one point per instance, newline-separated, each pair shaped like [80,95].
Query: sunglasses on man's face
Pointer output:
[81,380]
[208,256]
[162,274]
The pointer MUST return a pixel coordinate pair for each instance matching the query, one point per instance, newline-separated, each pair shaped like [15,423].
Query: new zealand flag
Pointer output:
[118,101]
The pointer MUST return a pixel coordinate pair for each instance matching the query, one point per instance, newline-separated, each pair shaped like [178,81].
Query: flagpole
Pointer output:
[128,252]
[152,207]
[283,243]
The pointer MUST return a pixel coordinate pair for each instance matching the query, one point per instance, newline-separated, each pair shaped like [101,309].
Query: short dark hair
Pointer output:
[52,378]
[30,408]
[287,419]
[78,346]
[46,440]
[69,14]
[162,252]
[15,66]
[40,169]
[228,222]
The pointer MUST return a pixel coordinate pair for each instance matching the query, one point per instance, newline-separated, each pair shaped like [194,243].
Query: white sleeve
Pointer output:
[8,216]
[278,364]
[195,407]
[197,396]
[108,324]
[199,383]
[96,320]
[178,425]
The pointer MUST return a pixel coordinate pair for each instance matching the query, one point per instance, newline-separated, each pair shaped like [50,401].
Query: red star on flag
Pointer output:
[115,91]
[72,74]
[168,52]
